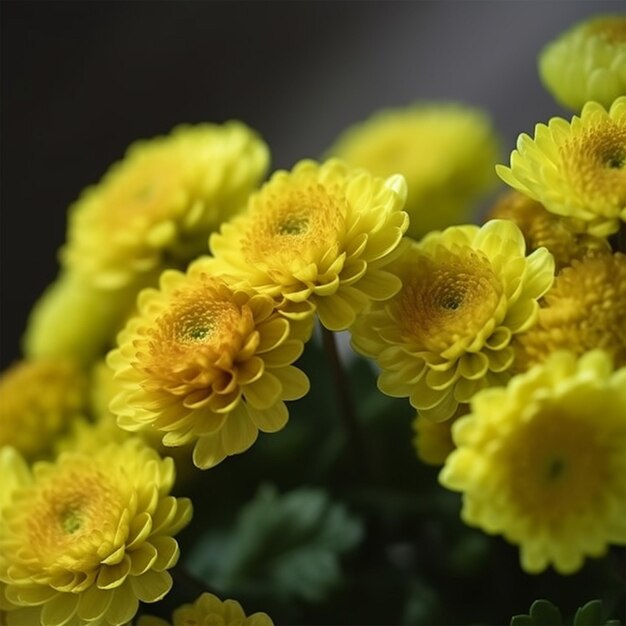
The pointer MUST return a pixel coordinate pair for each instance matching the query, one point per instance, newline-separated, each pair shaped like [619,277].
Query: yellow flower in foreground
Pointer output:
[209,610]
[542,228]
[40,399]
[588,62]
[576,169]
[543,462]
[585,309]
[207,363]
[316,239]
[465,292]
[162,201]
[445,151]
[89,537]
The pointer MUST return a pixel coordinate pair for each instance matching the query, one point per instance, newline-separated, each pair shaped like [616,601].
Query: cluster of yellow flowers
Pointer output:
[508,339]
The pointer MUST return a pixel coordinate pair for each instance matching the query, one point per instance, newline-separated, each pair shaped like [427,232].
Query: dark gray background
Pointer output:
[80,81]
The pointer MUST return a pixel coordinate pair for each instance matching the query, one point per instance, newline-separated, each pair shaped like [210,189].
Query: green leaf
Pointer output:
[285,546]
[542,613]
[589,615]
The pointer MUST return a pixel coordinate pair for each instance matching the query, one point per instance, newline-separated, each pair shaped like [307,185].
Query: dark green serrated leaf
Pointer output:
[287,545]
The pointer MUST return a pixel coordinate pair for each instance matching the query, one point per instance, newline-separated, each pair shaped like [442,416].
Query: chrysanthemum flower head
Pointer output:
[585,309]
[446,334]
[317,239]
[208,363]
[445,151]
[162,201]
[588,62]
[73,319]
[41,398]
[209,610]
[576,169]
[543,461]
[433,440]
[544,229]
[90,537]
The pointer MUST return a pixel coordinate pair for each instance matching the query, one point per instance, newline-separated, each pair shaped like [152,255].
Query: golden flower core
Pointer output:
[585,309]
[75,507]
[202,325]
[295,225]
[448,298]
[611,29]
[143,194]
[595,162]
[553,459]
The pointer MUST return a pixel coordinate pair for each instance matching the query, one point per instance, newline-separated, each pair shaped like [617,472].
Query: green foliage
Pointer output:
[281,544]
[544,613]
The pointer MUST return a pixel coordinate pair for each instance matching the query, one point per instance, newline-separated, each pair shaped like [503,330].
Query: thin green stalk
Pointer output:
[351,424]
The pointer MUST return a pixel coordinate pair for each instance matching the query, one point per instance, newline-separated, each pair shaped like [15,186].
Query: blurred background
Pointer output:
[80,81]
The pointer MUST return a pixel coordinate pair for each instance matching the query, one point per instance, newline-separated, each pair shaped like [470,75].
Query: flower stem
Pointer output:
[354,432]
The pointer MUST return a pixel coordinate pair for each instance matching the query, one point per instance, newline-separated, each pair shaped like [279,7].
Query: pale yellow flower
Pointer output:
[40,399]
[445,151]
[207,363]
[90,536]
[587,62]
[576,169]
[209,610]
[317,239]
[544,229]
[585,309]
[158,205]
[543,461]
[446,334]
[433,440]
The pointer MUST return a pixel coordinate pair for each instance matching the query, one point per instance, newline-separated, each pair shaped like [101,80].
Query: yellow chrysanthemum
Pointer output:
[162,201]
[433,440]
[465,292]
[209,610]
[588,62]
[445,151]
[205,362]
[317,238]
[576,170]
[543,461]
[40,399]
[585,309]
[73,319]
[89,537]
[544,229]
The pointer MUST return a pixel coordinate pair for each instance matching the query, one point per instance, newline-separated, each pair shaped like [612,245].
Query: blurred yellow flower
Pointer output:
[445,151]
[543,461]
[576,169]
[433,440]
[209,610]
[317,239]
[542,228]
[465,292]
[73,319]
[587,62]
[41,398]
[89,537]
[204,362]
[162,201]
[585,309]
